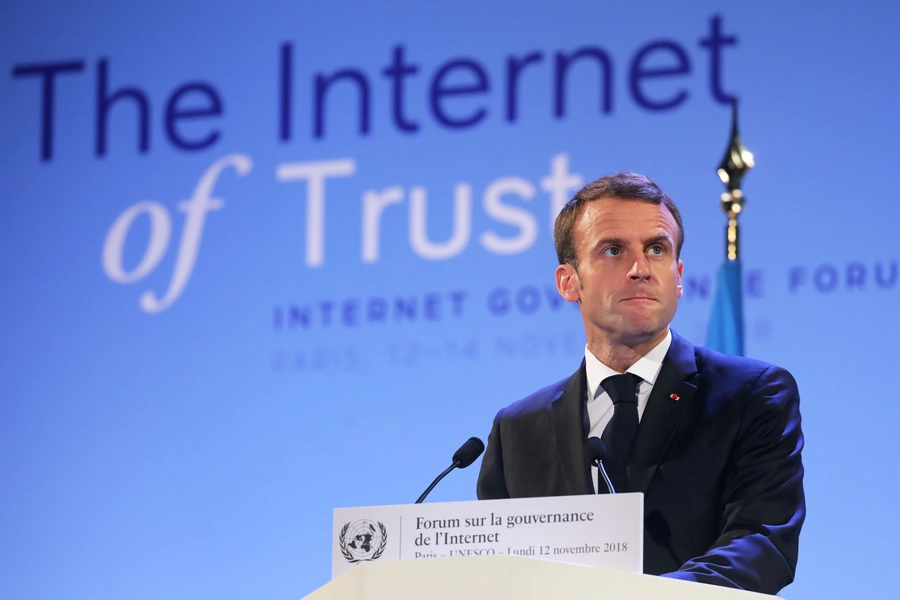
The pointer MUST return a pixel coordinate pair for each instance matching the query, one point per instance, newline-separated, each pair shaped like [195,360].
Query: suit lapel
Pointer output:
[663,413]
[567,414]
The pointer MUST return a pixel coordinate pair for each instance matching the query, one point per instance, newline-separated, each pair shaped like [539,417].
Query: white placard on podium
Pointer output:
[597,530]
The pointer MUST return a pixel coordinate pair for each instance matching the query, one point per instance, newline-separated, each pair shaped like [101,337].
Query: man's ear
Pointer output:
[567,283]
[678,281]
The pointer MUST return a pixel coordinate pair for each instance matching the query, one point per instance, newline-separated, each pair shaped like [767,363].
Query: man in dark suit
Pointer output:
[713,441]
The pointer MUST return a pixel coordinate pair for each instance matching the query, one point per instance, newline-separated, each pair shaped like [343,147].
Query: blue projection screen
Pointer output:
[261,260]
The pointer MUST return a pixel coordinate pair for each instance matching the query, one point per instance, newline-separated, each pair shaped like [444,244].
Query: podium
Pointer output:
[502,577]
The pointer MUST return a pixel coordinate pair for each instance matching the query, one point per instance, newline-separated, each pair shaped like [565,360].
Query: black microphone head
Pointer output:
[468,452]
[595,450]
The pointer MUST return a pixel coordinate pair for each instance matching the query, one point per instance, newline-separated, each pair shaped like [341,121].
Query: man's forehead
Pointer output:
[627,215]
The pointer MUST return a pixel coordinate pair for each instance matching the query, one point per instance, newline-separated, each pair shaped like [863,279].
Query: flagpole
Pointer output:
[726,324]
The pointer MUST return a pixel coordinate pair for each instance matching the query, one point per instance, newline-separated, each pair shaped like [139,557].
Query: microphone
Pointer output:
[463,457]
[595,452]
[468,452]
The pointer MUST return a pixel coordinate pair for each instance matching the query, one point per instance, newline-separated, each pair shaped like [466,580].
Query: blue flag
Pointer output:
[726,323]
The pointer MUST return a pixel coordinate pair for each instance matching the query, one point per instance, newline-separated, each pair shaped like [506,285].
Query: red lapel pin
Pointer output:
[674,397]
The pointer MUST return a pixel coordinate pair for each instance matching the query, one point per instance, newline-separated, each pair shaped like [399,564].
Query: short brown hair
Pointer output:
[624,186]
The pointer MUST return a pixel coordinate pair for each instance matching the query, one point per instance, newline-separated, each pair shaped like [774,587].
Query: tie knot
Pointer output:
[621,388]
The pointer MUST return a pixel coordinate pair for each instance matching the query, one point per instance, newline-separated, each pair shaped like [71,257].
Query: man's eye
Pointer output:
[656,250]
[612,251]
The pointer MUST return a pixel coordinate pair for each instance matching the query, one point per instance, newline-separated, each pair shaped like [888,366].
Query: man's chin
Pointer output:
[643,331]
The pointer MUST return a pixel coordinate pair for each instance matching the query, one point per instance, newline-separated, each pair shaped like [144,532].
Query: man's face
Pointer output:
[628,280]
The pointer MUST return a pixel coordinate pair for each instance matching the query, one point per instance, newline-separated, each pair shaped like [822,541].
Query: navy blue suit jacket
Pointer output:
[719,467]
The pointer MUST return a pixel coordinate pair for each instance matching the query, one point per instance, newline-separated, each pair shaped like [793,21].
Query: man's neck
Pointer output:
[620,356]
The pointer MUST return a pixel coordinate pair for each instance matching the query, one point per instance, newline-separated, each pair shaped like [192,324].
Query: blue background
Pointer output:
[198,452]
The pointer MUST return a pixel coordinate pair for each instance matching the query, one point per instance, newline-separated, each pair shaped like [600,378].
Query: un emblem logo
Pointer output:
[362,540]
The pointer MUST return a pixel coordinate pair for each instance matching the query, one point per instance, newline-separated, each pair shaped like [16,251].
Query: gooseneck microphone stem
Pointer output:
[435,482]
[602,470]
[463,457]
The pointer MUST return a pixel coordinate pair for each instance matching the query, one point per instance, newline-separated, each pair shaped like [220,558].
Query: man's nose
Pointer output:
[640,269]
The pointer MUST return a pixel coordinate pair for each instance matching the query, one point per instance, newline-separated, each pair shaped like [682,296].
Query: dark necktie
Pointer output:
[622,428]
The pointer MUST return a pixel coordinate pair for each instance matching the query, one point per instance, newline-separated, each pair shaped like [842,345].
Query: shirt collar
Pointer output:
[647,367]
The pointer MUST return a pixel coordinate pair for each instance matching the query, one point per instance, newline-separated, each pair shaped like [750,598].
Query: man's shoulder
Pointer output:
[733,372]
[712,359]
[541,399]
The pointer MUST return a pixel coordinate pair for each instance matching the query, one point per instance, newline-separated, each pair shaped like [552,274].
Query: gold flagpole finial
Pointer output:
[735,164]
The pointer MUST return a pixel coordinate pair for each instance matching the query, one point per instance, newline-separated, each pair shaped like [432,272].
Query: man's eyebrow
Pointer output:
[609,241]
[658,240]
